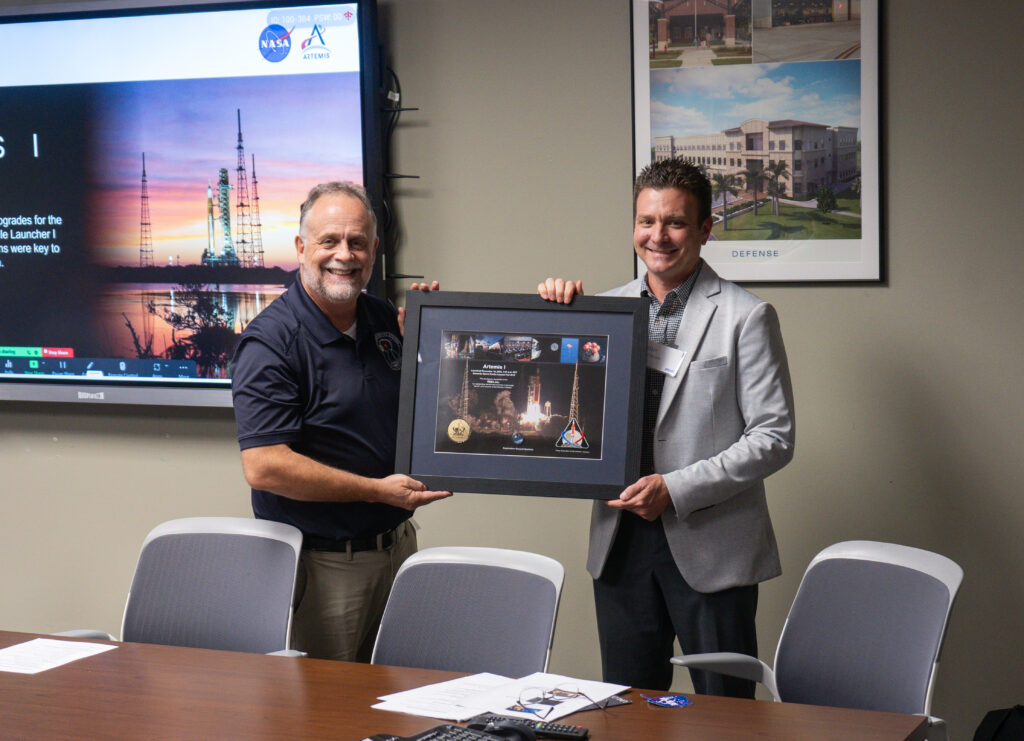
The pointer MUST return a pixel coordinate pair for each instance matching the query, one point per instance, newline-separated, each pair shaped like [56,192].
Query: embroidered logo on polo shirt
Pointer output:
[391,348]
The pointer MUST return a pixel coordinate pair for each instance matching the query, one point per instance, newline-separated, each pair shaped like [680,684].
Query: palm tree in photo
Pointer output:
[754,174]
[725,185]
[777,172]
[774,190]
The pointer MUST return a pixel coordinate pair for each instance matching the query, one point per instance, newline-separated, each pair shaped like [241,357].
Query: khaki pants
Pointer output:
[340,598]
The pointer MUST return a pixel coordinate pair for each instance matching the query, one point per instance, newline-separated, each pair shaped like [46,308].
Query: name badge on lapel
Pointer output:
[664,359]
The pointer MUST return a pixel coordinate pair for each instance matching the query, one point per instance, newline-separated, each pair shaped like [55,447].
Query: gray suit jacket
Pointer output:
[725,423]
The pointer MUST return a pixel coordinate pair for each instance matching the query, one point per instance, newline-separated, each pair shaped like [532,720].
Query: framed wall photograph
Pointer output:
[777,100]
[512,394]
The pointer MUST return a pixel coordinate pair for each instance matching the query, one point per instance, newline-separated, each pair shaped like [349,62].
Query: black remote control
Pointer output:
[540,729]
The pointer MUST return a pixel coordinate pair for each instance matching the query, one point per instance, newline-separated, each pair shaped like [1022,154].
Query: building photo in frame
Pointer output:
[777,102]
[511,394]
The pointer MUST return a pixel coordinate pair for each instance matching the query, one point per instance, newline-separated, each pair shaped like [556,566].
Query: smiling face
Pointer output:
[668,235]
[336,248]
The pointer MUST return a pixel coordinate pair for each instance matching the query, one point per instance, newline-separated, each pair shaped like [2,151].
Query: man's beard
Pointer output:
[340,293]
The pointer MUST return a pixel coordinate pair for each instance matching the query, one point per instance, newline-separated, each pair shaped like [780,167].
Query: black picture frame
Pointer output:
[473,415]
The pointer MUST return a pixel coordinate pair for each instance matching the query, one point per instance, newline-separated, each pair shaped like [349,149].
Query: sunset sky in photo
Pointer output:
[302,129]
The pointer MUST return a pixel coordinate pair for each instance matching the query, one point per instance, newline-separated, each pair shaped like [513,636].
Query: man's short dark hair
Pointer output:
[344,188]
[680,174]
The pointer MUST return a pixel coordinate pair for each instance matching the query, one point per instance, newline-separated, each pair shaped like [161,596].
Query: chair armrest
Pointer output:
[733,665]
[86,633]
[936,728]
[290,652]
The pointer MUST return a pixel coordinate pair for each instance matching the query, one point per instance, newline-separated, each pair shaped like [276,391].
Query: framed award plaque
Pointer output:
[512,394]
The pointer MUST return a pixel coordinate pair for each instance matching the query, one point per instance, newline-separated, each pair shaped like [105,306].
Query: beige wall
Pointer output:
[908,394]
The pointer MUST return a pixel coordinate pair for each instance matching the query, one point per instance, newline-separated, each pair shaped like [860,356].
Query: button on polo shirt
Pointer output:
[298,380]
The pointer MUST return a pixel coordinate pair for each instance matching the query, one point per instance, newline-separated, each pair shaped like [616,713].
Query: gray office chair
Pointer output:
[864,631]
[471,610]
[213,582]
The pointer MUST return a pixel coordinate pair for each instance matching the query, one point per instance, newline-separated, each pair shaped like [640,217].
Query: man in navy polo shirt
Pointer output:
[315,386]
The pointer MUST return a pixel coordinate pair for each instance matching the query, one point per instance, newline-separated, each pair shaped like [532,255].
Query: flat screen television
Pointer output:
[152,163]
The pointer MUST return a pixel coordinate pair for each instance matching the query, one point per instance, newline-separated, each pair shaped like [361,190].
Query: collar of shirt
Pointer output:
[675,300]
[313,317]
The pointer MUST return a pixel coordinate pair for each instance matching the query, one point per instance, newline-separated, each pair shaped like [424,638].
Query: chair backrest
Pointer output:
[215,582]
[471,610]
[866,628]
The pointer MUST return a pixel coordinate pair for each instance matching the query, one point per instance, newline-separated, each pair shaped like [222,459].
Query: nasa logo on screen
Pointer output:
[275,43]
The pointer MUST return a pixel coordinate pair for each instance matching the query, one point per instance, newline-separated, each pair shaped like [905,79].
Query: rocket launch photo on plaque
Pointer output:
[510,394]
[521,394]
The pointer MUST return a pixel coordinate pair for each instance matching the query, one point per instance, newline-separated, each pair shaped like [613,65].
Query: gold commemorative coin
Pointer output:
[458,430]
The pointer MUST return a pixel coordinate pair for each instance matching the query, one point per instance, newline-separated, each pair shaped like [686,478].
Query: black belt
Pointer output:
[380,542]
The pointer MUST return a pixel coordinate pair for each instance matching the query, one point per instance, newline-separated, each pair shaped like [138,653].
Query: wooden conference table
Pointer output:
[143,691]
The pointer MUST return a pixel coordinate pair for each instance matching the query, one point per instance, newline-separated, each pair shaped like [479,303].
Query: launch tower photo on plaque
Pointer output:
[511,394]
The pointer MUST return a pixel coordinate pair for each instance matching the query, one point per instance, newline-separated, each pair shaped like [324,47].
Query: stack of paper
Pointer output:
[539,696]
[41,654]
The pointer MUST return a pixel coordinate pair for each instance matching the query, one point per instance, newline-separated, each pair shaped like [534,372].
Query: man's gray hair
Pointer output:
[335,187]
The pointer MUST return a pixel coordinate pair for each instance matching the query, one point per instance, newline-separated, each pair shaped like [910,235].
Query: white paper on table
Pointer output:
[41,654]
[505,699]
[455,699]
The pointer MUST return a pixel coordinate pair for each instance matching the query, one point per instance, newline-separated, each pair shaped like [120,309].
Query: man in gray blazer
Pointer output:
[681,551]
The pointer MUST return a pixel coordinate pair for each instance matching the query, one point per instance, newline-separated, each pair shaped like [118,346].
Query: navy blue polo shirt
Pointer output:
[298,380]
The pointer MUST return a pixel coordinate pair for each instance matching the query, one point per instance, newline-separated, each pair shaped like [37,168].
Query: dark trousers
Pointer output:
[643,603]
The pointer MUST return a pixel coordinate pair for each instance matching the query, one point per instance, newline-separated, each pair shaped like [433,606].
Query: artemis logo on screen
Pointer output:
[275,43]
[315,47]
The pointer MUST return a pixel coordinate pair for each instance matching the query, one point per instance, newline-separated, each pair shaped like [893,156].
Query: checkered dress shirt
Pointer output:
[662,325]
